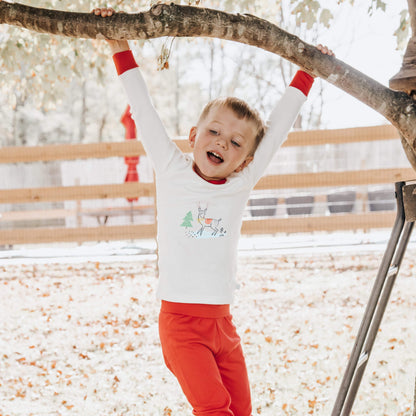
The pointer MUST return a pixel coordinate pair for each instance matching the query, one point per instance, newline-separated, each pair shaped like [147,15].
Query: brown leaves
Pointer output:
[312,404]
[271,340]
[129,347]
[167,411]
[95,336]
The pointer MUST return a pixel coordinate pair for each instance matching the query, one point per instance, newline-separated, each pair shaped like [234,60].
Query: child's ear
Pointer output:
[192,136]
[246,162]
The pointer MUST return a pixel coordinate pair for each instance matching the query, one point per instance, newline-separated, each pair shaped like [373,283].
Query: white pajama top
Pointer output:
[198,222]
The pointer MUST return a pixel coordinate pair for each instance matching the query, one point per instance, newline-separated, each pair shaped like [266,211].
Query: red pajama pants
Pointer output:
[202,349]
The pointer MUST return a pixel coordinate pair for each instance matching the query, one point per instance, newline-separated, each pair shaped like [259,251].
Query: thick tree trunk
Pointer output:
[187,21]
[405,79]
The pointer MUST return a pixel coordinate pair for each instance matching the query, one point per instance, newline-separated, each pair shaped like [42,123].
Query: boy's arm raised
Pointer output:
[158,146]
[280,122]
[155,140]
[282,118]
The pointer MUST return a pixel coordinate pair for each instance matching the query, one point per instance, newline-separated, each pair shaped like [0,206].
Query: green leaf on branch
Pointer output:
[403,31]
[325,17]
[376,4]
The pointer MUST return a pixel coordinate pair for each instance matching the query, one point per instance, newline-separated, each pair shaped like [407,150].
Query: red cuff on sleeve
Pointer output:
[124,61]
[302,81]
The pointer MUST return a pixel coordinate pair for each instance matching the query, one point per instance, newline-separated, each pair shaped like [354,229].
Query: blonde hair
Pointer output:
[243,112]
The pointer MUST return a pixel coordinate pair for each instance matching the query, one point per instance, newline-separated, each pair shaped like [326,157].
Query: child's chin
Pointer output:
[213,175]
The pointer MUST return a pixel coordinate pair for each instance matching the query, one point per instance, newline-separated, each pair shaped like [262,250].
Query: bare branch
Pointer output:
[187,21]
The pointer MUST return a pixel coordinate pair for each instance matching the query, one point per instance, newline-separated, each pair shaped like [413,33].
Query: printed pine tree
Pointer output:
[187,221]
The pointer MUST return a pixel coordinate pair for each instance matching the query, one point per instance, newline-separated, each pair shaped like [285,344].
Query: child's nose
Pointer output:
[221,142]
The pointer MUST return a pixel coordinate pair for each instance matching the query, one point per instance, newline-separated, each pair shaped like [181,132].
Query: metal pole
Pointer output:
[378,316]
[371,305]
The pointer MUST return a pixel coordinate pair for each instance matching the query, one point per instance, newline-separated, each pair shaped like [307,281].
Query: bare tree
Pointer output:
[186,21]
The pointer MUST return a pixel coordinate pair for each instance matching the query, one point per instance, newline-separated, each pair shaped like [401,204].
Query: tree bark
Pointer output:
[405,79]
[188,21]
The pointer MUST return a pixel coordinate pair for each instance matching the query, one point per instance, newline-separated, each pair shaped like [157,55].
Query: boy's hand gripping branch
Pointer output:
[115,45]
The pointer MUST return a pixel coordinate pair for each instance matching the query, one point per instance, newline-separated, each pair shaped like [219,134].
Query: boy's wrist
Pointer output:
[118,46]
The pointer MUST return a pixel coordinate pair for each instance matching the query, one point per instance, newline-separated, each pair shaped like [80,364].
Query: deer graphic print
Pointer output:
[207,227]
[205,222]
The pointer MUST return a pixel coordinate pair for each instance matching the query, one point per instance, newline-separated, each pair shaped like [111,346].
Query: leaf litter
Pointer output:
[82,339]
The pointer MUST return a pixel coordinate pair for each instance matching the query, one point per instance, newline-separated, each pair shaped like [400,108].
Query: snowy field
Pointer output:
[78,333]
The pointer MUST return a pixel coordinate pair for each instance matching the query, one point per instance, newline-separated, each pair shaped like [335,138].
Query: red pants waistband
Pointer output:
[196,309]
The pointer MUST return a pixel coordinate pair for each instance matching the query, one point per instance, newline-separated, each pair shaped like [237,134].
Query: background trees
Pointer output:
[70,81]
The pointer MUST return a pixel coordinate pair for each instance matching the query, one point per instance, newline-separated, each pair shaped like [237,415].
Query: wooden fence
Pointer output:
[251,225]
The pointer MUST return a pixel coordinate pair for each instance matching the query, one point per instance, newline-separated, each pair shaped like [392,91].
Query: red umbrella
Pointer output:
[131,161]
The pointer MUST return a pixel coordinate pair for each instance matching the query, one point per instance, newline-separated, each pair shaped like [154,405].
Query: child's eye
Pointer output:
[235,143]
[213,132]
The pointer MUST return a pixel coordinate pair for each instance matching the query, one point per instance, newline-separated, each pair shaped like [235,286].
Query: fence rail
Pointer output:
[135,148]
[76,193]
[330,179]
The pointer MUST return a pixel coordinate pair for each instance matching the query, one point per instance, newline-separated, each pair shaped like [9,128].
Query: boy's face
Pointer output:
[222,143]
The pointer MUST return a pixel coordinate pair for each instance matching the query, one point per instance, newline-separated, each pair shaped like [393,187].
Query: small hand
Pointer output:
[103,11]
[325,50]
[115,45]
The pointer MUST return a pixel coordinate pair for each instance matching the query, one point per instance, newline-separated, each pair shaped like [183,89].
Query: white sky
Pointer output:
[372,51]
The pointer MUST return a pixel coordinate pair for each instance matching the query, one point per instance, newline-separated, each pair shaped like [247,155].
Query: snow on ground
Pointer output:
[78,334]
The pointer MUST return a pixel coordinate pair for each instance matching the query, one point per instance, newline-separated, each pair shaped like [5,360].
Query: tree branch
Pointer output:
[187,21]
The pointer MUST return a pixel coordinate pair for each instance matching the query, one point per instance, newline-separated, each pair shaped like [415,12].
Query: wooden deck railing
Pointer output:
[349,221]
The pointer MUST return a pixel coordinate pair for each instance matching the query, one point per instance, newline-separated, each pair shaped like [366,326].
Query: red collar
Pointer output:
[218,181]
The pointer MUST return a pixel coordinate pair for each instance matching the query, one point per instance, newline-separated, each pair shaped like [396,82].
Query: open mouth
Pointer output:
[215,157]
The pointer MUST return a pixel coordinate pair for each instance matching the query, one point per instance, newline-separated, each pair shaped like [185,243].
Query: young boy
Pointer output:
[200,203]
